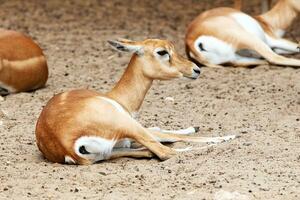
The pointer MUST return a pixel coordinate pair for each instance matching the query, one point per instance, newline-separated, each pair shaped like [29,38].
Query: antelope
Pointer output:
[226,35]
[84,127]
[265,5]
[23,66]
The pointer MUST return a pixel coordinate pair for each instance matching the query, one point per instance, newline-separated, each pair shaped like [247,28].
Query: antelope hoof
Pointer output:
[167,155]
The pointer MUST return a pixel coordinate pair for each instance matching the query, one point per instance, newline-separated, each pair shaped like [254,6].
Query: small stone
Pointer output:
[103,173]
[247,143]
[169,99]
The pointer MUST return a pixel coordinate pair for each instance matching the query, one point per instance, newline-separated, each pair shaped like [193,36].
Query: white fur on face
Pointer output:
[215,51]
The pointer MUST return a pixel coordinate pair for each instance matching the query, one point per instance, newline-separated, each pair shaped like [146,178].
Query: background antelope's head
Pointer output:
[158,59]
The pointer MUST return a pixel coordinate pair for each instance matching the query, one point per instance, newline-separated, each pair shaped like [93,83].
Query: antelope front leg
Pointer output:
[145,138]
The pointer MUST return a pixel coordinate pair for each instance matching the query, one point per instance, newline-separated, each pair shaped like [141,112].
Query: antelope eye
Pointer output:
[162,52]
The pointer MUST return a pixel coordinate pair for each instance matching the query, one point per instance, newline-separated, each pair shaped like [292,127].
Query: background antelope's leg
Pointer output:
[169,137]
[189,130]
[247,61]
[265,51]
[283,52]
[287,46]
[131,153]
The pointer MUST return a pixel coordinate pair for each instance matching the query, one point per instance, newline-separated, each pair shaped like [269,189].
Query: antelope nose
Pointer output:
[196,70]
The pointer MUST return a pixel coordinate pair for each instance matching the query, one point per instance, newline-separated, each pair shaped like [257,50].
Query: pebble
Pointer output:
[169,99]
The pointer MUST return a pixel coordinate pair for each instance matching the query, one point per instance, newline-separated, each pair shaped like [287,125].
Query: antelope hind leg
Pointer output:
[265,51]
[169,137]
[283,46]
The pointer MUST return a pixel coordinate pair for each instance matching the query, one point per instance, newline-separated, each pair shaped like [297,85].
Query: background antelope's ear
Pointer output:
[127,46]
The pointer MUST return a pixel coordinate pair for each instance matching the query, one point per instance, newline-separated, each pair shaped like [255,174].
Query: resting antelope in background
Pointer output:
[265,5]
[83,127]
[227,35]
[23,66]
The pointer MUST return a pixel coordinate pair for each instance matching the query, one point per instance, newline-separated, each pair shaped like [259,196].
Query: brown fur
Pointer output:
[217,23]
[23,65]
[70,115]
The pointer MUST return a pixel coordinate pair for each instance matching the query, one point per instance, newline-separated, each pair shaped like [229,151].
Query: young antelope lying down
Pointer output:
[83,127]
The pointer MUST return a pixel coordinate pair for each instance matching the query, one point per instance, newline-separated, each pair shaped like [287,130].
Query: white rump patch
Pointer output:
[98,148]
[215,51]
[249,24]
[69,160]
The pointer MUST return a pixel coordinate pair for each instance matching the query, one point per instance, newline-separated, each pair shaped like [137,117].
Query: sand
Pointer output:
[262,105]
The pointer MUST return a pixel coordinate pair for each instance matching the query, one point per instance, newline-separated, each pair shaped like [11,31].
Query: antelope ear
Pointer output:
[127,46]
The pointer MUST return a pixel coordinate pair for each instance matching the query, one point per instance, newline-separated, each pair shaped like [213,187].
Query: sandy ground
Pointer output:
[262,105]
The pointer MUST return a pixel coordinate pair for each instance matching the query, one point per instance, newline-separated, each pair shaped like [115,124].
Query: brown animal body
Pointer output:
[83,127]
[227,35]
[23,66]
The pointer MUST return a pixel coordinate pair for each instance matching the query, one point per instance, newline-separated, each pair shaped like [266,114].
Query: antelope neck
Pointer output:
[131,89]
[282,15]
